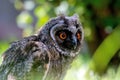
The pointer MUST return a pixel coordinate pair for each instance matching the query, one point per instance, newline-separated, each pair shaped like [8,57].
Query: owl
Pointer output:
[46,55]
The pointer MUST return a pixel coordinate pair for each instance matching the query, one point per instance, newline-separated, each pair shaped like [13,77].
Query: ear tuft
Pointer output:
[62,16]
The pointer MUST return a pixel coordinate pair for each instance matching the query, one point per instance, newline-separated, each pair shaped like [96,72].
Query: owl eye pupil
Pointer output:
[63,35]
[78,36]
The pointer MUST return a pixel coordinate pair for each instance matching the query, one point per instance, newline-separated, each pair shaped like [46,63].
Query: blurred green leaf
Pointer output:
[106,51]
[109,21]
[41,21]
[3,46]
[24,19]
[39,11]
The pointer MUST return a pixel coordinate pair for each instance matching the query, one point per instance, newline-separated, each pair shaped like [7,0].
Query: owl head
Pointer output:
[64,33]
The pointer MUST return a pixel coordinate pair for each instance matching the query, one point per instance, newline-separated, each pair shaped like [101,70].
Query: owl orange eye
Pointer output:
[63,35]
[78,36]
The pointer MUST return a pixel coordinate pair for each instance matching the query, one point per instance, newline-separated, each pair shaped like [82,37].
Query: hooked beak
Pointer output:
[74,42]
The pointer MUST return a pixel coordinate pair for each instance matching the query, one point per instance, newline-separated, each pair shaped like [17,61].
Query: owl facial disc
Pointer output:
[67,34]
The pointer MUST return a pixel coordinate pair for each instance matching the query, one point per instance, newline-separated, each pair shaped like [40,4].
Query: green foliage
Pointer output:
[3,46]
[106,51]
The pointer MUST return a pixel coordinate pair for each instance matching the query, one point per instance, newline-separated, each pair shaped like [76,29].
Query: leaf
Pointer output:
[106,51]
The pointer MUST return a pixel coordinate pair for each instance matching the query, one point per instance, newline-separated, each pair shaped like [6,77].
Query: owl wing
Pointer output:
[20,57]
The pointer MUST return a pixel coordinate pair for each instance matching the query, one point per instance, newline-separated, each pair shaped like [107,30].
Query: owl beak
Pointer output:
[74,43]
[71,43]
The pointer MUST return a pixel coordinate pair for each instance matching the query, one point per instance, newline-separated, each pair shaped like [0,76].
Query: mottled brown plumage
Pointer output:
[46,55]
